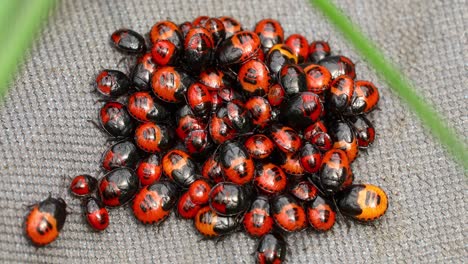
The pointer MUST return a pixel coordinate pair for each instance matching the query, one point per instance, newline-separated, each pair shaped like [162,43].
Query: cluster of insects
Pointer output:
[234,129]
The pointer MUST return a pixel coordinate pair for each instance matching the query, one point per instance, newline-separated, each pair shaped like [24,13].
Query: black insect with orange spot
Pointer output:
[258,220]
[167,30]
[179,167]
[45,221]
[240,47]
[118,187]
[236,163]
[96,214]
[112,83]
[128,41]
[153,203]
[363,202]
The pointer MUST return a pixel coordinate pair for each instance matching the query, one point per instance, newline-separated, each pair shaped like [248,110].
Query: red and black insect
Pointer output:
[363,202]
[229,94]
[179,167]
[260,110]
[144,108]
[83,185]
[270,33]
[199,99]
[301,110]
[121,154]
[322,141]
[216,28]
[115,120]
[364,130]
[112,83]
[187,122]
[254,77]
[96,214]
[200,21]
[167,30]
[153,203]
[142,72]
[128,41]
[197,143]
[45,220]
[185,27]
[291,164]
[339,65]
[276,95]
[164,52]
[170,84]
[186,208]
[238,48]
[270,179]
[257,220]
[304,191]
[292,79]
[228,199]
[318,78]
[215,79]
[318,50]
[313,129]
[259,146]
[278,56]
[271,249]
[231,25]
[299,45]
[219,129]
[341,91]
[311,159]
[198,48]
[152,138]
[238,117]
[212,170]
[288,213]
[321,214]
[149,169]
[212,225]
[118,187]
[236,163]
[285,138]
[333,171]
[344,138]
[199,191]
[365,98]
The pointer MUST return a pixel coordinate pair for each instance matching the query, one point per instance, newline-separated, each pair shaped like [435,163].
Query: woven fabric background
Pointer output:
[45,137]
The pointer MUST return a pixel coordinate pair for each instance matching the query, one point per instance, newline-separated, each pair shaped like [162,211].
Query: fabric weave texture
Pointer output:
[45,137]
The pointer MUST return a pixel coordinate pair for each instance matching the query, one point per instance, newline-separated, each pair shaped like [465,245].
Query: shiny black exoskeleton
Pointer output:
[141,73]
[239,117]
[112,83]
[121,154]
[270,249]
[301,110]
[128,41]
[236,163]
[118,187]
[364,130]
[115,120]
[198,48]
[292,79]
[229,199]
[339,65]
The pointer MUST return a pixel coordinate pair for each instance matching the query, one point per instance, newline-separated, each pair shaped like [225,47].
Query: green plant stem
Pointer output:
[396,81]
[18,31]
